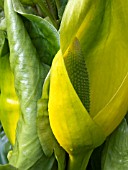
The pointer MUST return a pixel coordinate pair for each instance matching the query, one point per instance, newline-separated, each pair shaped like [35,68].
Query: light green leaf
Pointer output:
[115,153]
[29,75]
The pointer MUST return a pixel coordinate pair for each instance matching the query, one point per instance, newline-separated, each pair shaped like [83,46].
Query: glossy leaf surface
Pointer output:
[29,75]
[115,154]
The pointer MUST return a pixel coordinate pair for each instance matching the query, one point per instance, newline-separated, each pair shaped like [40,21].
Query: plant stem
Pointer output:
[80,161]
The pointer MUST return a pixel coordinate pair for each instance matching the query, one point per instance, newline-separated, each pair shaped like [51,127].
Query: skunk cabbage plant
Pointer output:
[89,77]
[63,82]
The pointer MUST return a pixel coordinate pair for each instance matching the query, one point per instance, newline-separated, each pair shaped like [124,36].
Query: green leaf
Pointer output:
[28,2]
[42,163]
[44,36]
[3,43]
[115,153]
[7,167]
[2,3]
[47,139]
[61,7]
[52,8]
[48,10]
[5,146]
[3,24]
[29,75]
[9,104]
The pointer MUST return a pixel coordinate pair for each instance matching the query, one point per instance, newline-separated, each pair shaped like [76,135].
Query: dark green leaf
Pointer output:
[27,2]
[61,4]
[115,154]
[4,49]
[5,146]
[52,8]
[7,167]
[44,7]
[42,164]
[2,3]
[44,36]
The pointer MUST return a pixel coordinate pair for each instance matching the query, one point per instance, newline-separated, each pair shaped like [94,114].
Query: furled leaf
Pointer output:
[29,74]
[115,154]
[44,36]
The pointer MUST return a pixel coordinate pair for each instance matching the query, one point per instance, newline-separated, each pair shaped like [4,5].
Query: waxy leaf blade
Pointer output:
[115,153]
[29,75]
